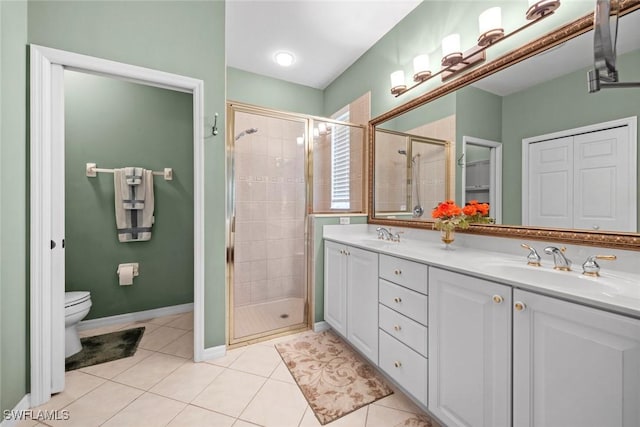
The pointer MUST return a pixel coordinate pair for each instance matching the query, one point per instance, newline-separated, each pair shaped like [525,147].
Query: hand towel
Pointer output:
[134,225]
[132,188]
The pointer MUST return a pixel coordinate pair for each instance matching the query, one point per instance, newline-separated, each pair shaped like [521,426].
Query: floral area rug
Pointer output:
[333,378]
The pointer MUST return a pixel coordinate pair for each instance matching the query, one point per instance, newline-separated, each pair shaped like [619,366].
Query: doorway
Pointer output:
[47,228]
[267,175]
[481,179]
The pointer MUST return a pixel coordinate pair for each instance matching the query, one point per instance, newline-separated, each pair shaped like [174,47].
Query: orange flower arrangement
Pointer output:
[448,215]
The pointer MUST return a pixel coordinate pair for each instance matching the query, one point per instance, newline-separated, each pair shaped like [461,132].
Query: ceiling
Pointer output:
[326,36]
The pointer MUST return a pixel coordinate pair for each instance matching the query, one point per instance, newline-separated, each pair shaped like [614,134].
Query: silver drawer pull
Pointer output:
[397,272]
[397,364]
[398,300]
[397,327]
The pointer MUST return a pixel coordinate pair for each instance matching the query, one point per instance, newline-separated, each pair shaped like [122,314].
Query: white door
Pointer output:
[362,301]
[551,183]
[335,286]
[469,350]
[601,173]
[582,178]
[57,232]
[573,365]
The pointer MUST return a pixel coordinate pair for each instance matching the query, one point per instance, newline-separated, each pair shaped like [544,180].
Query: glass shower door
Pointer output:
[268,272]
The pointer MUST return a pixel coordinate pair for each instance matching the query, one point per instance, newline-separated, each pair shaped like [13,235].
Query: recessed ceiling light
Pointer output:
[284,59]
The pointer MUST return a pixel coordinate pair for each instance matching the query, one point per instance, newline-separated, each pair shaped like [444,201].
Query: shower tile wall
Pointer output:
[444,129]
[390,173]
[270,211]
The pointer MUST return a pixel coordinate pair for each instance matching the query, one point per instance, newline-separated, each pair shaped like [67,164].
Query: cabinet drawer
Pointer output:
[404,365]
[405,301]
[406,273]
[404,329]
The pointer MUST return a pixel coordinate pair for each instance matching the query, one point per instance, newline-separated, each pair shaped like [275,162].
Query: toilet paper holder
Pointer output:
[131,264]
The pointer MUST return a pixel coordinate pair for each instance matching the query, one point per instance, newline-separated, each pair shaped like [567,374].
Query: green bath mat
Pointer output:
[105,348]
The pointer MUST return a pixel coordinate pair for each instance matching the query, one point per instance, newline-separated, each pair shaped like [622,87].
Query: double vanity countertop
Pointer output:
[615,290]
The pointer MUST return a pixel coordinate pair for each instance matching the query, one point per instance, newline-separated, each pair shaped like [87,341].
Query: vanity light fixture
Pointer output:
[451,52]
[421,68]
[398,85]
[454,60]
[541,8]
[490,25]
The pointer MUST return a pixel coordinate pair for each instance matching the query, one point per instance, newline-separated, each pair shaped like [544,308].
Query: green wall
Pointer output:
[132,125]
[559,104]
[14,276]
[182,37]
[263,91]
[478,114]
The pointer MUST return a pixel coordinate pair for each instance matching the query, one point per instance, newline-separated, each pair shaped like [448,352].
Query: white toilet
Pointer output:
[76,307]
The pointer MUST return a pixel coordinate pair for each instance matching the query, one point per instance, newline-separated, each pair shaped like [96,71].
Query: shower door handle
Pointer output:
[53,244]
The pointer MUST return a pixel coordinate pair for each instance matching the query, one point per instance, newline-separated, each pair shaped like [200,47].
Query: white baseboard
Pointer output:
[15,416]
[321,326]
[214,352]
[137,316]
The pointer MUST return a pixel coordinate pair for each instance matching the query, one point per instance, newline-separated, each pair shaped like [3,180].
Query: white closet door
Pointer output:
[551,183]
[603,187]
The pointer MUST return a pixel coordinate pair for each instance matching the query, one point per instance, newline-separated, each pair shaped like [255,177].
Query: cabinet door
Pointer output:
[335,286]
[573,365]
[469,350]
[362,301]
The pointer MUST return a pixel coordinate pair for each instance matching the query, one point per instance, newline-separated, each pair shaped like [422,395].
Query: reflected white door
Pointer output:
[601,177]
[582,178]
[551,183]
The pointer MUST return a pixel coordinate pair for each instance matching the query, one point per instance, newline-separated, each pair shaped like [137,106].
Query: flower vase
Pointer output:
[447,236]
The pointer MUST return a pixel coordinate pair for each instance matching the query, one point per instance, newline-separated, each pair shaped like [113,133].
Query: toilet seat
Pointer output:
[75,298]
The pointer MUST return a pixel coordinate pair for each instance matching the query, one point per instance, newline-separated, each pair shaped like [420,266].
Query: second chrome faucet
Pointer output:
[560,261]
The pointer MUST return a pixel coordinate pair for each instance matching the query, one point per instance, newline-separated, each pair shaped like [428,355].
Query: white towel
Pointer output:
[133,175]
[135,221]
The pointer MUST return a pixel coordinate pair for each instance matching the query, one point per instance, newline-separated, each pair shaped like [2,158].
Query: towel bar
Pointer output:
[92,171]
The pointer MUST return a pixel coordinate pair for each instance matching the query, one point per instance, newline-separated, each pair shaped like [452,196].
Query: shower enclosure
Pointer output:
[267,169]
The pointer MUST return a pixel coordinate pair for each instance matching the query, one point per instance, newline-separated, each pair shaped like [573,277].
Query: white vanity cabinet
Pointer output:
[403,323]
[469,350]
[351,295]
[573,365]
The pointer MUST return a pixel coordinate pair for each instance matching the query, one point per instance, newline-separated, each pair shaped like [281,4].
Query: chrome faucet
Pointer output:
[387,234]
[383,233]
[591,267]
[561,262]
[533,258]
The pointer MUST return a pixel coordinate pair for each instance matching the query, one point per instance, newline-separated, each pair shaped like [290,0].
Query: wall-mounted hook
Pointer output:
[214,129]
[460,162]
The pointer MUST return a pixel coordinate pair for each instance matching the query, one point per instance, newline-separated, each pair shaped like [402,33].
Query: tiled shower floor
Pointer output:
[161,386]
[267,316]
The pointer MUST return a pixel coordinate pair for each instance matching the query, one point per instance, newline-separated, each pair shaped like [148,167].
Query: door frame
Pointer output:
[495,173]
[46,144]
[632,126]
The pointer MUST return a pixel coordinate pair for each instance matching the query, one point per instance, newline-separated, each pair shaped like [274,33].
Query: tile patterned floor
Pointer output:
[161,386]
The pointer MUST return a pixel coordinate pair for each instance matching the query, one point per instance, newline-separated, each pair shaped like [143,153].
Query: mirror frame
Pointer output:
[616,240]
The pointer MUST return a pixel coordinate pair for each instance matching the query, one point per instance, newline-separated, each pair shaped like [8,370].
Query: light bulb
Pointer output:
[284,59]
[421,68]
[490,24]
[451,44]
[397,82]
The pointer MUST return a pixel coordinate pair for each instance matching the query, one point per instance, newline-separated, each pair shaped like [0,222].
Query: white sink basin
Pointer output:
[571,281]
[378,243]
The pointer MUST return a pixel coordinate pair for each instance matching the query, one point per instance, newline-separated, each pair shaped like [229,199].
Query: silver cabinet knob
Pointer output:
[397,327]
[397,299]
[397,364]
[397,272]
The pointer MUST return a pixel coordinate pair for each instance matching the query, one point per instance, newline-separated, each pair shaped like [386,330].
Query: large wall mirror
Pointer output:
[554,161]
